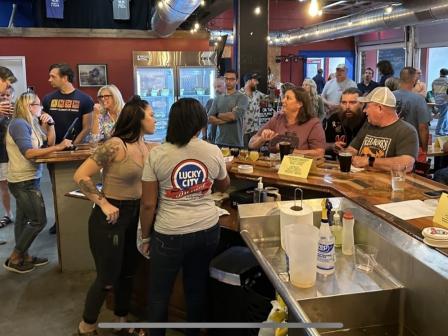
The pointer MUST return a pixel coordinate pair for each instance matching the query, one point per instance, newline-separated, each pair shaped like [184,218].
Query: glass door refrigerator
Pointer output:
[163,77]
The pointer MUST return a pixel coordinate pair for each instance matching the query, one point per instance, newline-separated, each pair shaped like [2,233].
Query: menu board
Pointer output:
[395,56]
[266,113]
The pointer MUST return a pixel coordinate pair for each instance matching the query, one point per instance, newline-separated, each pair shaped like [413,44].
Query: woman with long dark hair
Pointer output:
[386,70]
[296,124]
[114,219]
[178,177]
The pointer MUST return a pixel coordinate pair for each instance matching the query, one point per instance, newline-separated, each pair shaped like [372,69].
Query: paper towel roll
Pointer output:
[291,217]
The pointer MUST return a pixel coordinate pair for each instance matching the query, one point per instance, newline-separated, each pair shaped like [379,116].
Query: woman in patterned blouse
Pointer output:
[105,114]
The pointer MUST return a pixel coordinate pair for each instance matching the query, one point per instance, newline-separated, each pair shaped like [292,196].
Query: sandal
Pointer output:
[5,221]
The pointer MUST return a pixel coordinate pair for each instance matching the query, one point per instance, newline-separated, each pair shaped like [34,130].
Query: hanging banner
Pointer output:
[55,9]
[121,9]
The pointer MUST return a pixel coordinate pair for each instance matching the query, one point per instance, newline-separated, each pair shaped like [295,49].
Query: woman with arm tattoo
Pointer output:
[114,218]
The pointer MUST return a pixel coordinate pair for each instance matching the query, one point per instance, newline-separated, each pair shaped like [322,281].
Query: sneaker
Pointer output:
[21,268]
[37,261]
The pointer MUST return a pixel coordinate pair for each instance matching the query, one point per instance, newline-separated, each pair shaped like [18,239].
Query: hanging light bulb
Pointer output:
[203,3]
[388,9]
[257,10]
[192,31]
[197,26]
[314,8]
[160,4]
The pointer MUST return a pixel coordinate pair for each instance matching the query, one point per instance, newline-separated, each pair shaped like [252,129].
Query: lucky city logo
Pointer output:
[189,177]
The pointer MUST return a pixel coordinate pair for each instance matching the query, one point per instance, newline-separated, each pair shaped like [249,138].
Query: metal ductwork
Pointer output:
[408,14]
[169,14]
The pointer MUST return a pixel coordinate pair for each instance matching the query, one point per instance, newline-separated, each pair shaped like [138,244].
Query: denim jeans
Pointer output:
[115,253]
[30,213]
[190,252]
[442,123]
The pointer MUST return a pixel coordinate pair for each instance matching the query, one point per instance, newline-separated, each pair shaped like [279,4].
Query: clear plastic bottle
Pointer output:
[348,239]
[336,229]
[325,254]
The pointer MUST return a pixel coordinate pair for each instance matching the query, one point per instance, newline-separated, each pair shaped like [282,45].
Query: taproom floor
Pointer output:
[45,301]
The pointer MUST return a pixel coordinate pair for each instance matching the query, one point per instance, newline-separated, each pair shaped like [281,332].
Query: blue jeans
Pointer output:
[190,252]
[442,123]
[30,213]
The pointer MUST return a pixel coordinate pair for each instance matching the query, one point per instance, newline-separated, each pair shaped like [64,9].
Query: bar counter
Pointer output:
[365,188]
[71,215]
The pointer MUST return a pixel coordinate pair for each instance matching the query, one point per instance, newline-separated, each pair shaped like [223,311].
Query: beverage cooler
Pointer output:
[162,77]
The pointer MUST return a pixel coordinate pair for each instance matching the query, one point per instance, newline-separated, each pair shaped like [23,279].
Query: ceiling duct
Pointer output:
[169,14]
[410,13]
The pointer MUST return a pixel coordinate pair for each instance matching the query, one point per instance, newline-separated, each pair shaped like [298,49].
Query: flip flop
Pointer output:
[5,221]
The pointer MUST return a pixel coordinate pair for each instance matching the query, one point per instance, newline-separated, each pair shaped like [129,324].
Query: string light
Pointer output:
[257,10]
[203,3]
[160,4]
[197,26]
[388,10]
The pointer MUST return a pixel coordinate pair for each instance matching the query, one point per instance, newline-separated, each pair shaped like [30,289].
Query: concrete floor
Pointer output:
[45,301]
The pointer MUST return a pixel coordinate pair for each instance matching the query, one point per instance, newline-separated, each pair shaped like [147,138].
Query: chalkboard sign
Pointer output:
[266,113]
[395,56]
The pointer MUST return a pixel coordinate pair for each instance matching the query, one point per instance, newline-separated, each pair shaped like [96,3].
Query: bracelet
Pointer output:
[146,240]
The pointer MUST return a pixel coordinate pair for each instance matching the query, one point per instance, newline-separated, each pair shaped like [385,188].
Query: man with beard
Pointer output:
[340,128]
[252,116]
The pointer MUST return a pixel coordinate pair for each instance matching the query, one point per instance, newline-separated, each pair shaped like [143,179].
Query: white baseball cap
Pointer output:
[380,95]
[341,66]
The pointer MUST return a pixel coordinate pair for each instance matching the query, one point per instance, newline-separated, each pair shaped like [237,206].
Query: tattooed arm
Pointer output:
[102,157]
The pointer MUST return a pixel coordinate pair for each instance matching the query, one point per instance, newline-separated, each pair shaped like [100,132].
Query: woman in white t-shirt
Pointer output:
[178,176]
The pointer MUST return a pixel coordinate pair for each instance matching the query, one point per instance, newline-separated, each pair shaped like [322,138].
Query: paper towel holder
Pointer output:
[296,207]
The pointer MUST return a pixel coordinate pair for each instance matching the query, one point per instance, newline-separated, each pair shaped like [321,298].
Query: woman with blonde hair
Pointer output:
[106,112]
[27,140]
[316,101]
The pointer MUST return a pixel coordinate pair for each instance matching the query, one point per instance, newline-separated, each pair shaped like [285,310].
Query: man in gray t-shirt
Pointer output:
[385,141]
[227,113]
[412,108]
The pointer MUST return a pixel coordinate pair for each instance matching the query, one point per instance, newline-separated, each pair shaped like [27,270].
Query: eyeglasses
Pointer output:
[104,96]
[36,104]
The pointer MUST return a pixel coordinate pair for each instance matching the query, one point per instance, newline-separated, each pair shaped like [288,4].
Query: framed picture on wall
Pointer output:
[91,75]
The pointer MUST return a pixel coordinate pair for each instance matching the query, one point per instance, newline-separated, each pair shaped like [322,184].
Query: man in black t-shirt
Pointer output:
[367,84]
[340,128]
[67,103]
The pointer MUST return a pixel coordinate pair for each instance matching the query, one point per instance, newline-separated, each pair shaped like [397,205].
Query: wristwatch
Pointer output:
[371,161]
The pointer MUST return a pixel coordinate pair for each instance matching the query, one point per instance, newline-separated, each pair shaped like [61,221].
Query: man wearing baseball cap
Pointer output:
[332,92]
[385,140]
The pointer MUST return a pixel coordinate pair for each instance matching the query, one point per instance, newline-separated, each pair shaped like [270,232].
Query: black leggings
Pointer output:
[115,253]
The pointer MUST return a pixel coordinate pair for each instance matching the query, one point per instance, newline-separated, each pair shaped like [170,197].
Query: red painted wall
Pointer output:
[297,68]
[116,53]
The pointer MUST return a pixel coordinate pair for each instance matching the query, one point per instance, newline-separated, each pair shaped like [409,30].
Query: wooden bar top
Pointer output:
[366,188]
[65,156]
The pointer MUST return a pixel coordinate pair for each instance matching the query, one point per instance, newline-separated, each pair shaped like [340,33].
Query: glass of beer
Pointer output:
[225,151]
[254,155]
[244,153]
[285,149]
[345,161]
[235,151]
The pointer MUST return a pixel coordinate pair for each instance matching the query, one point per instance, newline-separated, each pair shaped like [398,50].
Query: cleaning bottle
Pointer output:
[348,239]
[259,193]
[325,253]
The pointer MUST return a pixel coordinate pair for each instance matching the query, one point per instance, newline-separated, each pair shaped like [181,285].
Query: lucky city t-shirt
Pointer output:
[185,176]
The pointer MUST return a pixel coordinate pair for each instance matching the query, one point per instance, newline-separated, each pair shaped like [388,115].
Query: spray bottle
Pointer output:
[325,254]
